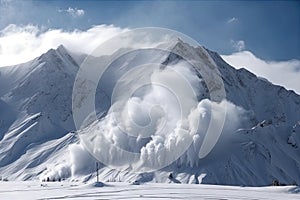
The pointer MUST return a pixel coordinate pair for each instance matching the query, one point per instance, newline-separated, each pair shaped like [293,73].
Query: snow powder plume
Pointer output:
[158,120]
[74,163]
[154,94]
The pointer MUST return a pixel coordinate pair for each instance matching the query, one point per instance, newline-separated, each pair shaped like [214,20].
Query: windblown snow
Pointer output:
[259,141]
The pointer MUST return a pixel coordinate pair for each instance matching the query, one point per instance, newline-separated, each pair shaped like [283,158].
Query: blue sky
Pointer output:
[269,29]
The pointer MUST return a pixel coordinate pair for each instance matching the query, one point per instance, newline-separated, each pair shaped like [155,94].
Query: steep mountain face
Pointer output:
[268,150]
[35,109]
[37,138]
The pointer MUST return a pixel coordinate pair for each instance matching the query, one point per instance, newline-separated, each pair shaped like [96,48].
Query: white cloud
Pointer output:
[231,20]
[21,44]
[239,45]
[284,73]
[74,12]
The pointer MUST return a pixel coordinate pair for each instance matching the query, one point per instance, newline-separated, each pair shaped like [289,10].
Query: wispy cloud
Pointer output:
[284,73]
[238,45]
[231,20]
[74,12]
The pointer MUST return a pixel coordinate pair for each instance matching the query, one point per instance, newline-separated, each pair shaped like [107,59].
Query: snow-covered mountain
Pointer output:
[260,142]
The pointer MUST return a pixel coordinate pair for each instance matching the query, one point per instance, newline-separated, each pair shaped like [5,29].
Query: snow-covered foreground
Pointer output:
[78,190]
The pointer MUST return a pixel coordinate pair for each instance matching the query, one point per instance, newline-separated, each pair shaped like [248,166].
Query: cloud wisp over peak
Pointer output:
[20,44]
[284,73]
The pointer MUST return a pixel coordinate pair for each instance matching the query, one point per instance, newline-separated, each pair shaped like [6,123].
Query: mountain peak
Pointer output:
[58,55]
[62,49]
[177,43]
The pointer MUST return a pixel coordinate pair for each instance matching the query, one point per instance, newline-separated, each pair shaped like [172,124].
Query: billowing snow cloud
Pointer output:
[22,44]
[150,130]
[284,73]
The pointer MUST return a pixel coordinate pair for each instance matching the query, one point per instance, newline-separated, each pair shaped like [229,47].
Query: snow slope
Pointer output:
[259,143]
[35,111]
